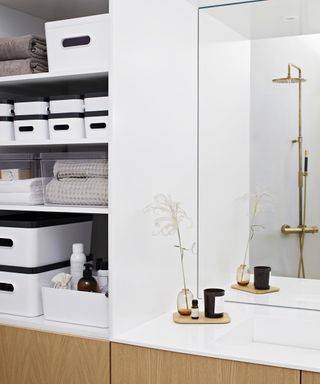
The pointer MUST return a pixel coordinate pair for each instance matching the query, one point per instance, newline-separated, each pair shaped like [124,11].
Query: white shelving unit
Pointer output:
[52,143]
[49,208]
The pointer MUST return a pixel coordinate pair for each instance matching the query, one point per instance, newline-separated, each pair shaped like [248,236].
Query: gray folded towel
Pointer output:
[23,47]
[78,192]
[80,168]
[22,67]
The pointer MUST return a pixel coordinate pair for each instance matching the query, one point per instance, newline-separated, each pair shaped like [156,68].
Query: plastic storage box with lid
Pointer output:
[66,104]
[66,126]
[79,45]
[79,178]
[28,162]
[29,128]
[6,128]
[32,106]
[97,125]
[98,101]
[6,107]
[36,239]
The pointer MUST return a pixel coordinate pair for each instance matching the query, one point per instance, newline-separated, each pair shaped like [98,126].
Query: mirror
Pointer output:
[257,140]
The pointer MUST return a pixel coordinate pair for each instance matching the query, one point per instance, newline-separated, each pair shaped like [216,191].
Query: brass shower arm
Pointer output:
[296,67]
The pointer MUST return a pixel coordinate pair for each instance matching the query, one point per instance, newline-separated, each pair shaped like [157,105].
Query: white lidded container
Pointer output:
[20,292]
[6,107]
[70,306]
[66,126]
[98,101]
[31,128]
[36,239]
[79,45]
[6,128]
[66,104]
[97,125]
[32,106]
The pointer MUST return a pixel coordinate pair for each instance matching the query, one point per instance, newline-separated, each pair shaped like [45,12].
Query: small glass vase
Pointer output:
[184,302]
[243,275]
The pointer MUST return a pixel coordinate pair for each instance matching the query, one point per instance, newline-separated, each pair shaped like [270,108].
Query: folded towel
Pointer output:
[22,186]
[92,191]
[22,47]
[21,198]
[22,67]
[80,169]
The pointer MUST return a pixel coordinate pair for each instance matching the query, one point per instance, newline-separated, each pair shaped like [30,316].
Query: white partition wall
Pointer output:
[154,102]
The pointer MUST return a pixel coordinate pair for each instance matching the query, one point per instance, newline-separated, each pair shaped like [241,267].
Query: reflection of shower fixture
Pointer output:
[302,229]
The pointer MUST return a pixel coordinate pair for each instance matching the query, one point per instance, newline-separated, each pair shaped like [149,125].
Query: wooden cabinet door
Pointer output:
[32,357]
[135,365]
[310,378]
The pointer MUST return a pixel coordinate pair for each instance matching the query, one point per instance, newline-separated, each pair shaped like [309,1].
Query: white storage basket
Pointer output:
[66,126]
[6,129]
[20,293]
[37,239]
[32,106]
[66,104]
[70,306]
[31,128]
[6,108]
[78,45]
[96,102]
[97,125]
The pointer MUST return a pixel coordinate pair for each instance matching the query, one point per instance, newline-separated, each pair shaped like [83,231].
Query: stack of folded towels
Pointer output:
[23,55]
[79,182]
[29,191]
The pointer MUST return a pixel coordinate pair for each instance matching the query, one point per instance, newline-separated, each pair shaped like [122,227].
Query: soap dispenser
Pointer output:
[88,283]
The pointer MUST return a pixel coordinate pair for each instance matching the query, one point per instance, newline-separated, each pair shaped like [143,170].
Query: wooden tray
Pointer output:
[251,289]
[179,319]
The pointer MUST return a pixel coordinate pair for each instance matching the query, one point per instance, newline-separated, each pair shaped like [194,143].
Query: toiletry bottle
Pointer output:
[78,259]
[102,277]
[195,310]
[88,283]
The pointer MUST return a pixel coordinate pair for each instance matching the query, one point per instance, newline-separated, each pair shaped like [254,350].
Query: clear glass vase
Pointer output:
[184,302]
[243,275]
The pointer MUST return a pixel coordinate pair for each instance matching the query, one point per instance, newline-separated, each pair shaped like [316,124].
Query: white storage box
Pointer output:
[66,104]
[31,128]
[6,107]
[70,306]
[96,102]
[66,126]
[32,106]
[78,45]
[20,293]
[97,125]
[35,239]
[6,128]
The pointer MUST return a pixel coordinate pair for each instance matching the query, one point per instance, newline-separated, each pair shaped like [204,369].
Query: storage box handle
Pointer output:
[61,127]
[6,242]
[98,125]
[76,41]
[5,287]
[26,128]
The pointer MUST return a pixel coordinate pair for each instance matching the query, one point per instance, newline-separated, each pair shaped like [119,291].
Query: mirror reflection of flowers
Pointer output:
[169,217]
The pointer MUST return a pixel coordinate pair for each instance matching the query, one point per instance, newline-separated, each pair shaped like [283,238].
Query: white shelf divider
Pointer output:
[51,143]
[49,208]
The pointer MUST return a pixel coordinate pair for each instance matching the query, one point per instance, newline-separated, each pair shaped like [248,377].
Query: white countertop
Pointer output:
[279,337]
[40,324]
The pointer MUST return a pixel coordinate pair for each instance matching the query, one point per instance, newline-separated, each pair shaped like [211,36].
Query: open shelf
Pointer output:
[52,143]
[58,208]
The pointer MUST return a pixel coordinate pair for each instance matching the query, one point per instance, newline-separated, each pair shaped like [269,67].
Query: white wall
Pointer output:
[154,102]
[274,160]
[15,23]
[223,150]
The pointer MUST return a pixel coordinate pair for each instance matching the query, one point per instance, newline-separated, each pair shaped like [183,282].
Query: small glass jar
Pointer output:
[243,275]
[184,302]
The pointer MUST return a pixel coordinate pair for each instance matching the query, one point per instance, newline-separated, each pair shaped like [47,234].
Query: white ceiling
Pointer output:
[58,9]
[267,19]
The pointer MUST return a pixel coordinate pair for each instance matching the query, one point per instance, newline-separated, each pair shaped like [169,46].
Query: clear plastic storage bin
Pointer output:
[79,178]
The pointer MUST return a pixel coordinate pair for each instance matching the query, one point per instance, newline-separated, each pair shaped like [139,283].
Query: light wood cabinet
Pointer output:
[136,365]
[33,357]
[310,378]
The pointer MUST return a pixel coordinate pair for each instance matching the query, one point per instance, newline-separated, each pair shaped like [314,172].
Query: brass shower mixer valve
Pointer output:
[287,230]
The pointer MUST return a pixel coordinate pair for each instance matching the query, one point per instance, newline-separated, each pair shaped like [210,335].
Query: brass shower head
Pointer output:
[289,79]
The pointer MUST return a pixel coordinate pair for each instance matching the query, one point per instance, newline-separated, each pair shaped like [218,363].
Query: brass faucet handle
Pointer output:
[294,141]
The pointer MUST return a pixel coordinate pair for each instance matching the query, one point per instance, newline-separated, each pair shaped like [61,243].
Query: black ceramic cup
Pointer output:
[213,302]
[262,277]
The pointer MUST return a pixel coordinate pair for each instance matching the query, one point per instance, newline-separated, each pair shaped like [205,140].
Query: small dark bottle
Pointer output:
[88,283]
[195,310]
